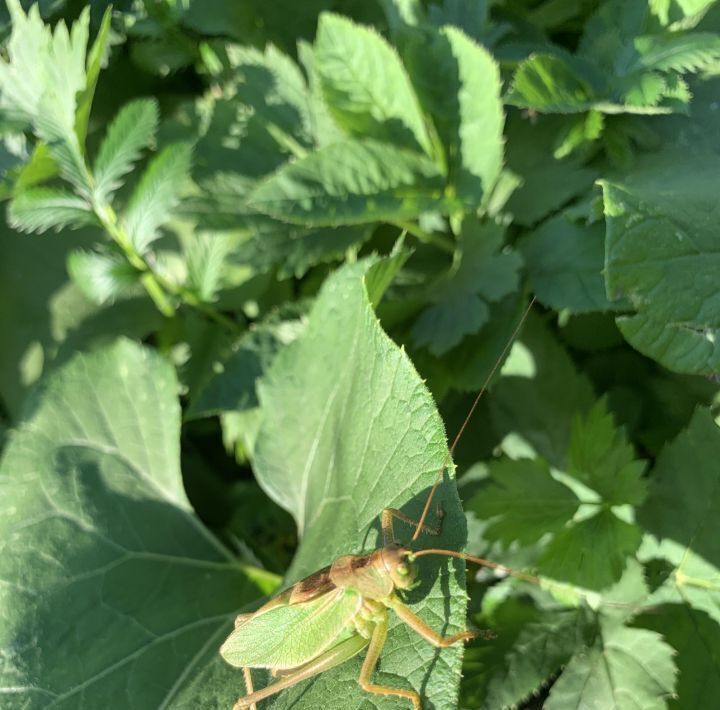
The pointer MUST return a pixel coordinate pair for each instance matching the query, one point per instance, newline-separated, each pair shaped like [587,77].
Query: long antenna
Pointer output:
[458,436]
[524,575]
[479,561]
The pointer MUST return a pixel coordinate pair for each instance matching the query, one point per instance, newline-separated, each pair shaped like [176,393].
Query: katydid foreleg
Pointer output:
[419,626]
[386,523]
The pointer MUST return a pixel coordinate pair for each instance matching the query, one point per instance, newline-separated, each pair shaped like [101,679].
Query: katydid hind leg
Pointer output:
[377,642]
[331,658]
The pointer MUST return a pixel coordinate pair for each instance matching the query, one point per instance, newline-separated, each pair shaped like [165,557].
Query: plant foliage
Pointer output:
[256,262]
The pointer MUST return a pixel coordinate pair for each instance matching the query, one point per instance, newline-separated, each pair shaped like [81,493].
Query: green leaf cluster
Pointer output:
[258,259]
[631,58]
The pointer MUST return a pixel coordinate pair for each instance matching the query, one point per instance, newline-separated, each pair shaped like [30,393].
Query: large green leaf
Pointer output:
[622,668]
[681,515]
[348,429]
[350,183]
[662,254]
[525,501]
[613,542]
[548,182]
[565,262]
[113,591]
[294,249]
[476,163]
[521,659]
[601,457]
[696,638]
[365,85]
[272,86]
[459,86]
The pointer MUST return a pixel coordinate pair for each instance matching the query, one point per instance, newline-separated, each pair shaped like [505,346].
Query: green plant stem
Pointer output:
[437,240]
[157,293]
[157,286]
[188,297]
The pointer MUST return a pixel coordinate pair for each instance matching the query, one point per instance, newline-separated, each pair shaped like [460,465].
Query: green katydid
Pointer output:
[343,609]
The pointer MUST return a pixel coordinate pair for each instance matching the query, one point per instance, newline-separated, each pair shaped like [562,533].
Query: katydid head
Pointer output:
[400,564]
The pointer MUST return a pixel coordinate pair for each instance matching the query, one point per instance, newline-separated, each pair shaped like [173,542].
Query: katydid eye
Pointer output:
[403,570]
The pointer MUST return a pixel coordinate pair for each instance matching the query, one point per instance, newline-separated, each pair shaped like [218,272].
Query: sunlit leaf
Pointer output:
[365,85]
[344,410]
[43,208]
[131,130]
[351,183]
[157,194]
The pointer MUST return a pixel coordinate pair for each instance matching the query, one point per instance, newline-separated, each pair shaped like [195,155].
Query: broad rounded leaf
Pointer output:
[565,263]
[662,254]
[113,593]
[624,668]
